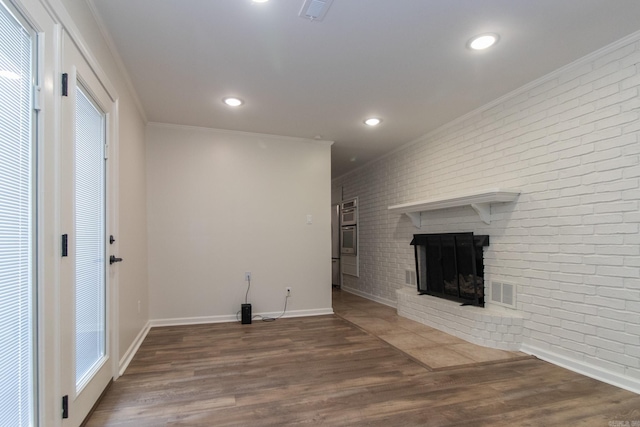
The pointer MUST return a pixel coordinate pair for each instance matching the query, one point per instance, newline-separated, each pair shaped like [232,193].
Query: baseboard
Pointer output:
[388,302]
[179,321]
[301,313]
[133,348]
[583,368]
[232,318]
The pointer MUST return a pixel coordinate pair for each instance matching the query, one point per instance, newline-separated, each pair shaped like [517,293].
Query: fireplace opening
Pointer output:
[450,266]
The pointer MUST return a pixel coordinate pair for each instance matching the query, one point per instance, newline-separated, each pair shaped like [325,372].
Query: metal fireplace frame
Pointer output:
[465,245]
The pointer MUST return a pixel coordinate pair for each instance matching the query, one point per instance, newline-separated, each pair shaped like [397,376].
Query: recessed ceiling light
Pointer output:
[260,1]
[373,121]
[483,41]
[233,102]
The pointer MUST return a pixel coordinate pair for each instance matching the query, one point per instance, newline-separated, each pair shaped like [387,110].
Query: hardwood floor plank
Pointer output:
[325,370]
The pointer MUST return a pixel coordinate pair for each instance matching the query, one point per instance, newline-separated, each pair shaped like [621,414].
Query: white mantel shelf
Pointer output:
[480,201]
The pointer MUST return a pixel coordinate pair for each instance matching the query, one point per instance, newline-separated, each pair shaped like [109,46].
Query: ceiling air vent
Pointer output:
[315,10]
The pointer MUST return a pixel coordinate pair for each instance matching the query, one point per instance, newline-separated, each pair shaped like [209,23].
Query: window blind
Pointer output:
[89,234]
[17,318]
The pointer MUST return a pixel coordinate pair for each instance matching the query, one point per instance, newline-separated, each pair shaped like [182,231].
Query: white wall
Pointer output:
[571,242]
[133,290]
[222,203]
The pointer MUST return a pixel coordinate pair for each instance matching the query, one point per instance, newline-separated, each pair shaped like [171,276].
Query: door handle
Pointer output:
[113,259]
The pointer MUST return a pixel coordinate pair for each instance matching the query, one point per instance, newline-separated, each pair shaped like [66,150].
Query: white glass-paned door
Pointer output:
[17,318]
[89,231]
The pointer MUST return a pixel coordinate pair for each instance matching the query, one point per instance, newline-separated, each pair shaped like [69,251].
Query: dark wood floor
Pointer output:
[325,370]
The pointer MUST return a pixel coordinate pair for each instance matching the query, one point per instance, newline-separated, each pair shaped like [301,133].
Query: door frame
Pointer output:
[81,73]
[50,18]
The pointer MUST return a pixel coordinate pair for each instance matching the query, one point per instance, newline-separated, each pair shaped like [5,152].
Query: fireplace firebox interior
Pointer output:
[451,266]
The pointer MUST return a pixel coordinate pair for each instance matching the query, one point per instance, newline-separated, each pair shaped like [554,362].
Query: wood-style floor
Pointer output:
[326,370]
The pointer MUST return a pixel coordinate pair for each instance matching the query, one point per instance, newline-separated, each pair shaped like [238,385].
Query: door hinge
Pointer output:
[65,86]
[37,98]
[65,245]
[65,406]
[106,151]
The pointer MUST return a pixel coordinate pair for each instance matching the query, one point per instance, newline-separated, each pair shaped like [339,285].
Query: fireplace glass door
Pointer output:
[451,266]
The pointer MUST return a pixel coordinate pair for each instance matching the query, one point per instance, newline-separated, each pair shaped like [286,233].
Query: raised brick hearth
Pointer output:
[488,326]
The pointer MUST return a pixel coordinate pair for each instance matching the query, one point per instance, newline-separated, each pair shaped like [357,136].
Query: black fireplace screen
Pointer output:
[451,266]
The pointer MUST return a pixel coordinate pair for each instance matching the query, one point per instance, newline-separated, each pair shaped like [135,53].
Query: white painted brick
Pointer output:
[623,55]
[617,120]
[602,135]
[618,271]
[617,98]
[597,321]
[631,105]
[623,294]
[613,218]
[579,327]
[622,359]
[631,283]
[579,347]
[573,74]
[599,72]
[633,373]
[626,228]
[624,316]
[620,337]
[617,163]
[579,269]
[616,207]
[631,57]
[614,77]
[610,345]
[632,350]
[603,260]
[632,329]
[567,334]
[601,92]
[605,302]
[578,289]
[604,364]
[571,145]
[632,262]
[631,194]
[567,315]
[580,307]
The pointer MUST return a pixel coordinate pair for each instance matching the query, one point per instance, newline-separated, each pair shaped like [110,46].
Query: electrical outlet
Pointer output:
[288,291]
[247,276]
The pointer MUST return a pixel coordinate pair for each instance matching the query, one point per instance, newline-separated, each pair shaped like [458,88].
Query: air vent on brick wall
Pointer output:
[410,277]
[503,294]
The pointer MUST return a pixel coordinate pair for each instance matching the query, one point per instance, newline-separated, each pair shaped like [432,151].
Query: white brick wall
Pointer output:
[491,327]
[571,242]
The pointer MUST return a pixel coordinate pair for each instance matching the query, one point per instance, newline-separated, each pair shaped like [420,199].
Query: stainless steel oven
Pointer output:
[348,217]
[349,212]
[349,240]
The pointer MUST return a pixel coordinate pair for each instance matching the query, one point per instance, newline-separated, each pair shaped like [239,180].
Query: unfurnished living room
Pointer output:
[330,212]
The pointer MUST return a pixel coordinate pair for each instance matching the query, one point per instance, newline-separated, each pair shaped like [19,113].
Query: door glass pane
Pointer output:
[17,318]
[89,233]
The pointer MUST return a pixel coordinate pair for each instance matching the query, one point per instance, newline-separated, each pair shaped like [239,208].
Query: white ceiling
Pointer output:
[402,60]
